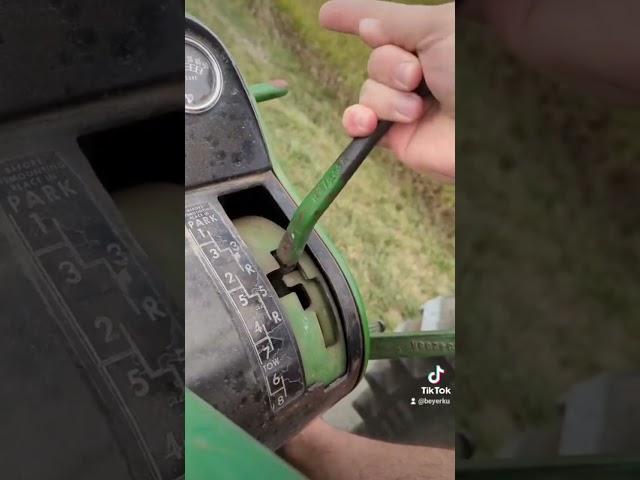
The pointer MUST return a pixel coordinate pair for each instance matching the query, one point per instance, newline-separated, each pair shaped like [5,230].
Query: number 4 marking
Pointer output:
[174,449]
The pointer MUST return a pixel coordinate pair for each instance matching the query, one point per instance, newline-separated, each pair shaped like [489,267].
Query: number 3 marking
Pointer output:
[73,275]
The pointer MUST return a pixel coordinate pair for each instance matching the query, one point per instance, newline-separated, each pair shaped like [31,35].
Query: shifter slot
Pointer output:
[282,289]
[306,299]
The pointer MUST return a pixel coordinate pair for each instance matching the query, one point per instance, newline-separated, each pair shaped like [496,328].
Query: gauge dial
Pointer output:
[202,78]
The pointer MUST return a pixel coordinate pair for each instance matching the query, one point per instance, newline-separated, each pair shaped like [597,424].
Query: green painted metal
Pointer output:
[356,295]
[262,92]
[582,467]
[328,188]
[215,448]
[412,344]
[297,198]
[317,329]
[308,213]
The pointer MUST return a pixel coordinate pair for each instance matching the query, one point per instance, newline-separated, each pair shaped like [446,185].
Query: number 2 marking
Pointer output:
[107,324]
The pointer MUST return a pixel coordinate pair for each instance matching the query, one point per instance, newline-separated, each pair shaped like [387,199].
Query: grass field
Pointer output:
[395,227]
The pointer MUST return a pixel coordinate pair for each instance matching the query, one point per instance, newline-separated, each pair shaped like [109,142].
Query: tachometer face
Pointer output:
[202,78]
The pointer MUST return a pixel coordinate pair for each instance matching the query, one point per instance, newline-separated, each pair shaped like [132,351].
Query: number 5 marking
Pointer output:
[139,384]
[243,300]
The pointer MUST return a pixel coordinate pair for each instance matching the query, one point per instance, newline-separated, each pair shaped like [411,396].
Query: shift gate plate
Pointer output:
[261,321]
[107,306]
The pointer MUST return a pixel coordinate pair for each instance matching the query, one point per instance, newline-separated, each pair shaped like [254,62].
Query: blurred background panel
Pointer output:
[91,239]
[56,52]
[548,260]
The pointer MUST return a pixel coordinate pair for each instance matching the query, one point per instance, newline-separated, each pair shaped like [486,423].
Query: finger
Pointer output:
[390,104]
[395,67]
[359,121]
[380,23]
[427,146]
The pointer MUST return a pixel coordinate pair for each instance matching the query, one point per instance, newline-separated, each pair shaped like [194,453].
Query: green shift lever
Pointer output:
[327,189]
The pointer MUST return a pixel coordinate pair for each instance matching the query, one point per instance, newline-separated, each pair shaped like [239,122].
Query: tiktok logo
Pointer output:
[435,376]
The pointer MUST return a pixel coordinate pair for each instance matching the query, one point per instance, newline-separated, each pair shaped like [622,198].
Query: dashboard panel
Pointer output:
[215,97]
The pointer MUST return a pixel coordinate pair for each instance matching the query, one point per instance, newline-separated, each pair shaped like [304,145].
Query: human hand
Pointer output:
[410,42]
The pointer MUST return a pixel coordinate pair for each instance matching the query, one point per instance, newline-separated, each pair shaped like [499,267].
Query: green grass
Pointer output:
[395,228]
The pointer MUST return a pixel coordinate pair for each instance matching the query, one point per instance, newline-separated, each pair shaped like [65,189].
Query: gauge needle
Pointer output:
[327,189]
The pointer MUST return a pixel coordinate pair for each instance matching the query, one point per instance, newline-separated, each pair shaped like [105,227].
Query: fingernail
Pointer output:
[407,107]
[405,73]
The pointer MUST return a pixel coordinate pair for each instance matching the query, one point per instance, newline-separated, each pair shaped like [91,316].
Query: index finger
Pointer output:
[403,25]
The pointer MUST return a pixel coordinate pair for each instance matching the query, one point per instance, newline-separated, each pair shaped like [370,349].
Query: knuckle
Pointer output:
[380,57]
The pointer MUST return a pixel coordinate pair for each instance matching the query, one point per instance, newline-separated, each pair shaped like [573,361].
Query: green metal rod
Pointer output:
[266,91]
[323,194]
[413,344]
[327,189]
